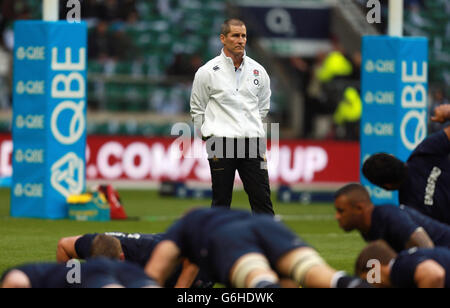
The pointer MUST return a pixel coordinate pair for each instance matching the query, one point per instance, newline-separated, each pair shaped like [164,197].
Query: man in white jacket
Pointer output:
[230,97]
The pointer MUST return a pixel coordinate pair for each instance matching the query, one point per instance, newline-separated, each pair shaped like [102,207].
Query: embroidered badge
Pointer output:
[256,73]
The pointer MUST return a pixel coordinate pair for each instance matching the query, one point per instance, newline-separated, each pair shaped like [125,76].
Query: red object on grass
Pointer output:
[117,209]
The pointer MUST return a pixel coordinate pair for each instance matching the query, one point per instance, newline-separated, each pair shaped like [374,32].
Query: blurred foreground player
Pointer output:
[401,227]
[136,248]
[241,250]
[413,268]
[95,273]
[423,181]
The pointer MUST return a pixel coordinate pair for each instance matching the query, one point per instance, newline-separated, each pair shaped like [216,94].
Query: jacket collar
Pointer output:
[230,61]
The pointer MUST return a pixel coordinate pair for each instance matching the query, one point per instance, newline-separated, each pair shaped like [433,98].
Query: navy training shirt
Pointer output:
[137,247]
[191,232]
[427,186]
[392,225]
[438,231]
[395,225]
[96,273]
[46,275]
[405,265]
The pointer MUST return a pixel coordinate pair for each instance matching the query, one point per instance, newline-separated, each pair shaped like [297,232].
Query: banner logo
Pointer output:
[67,175]
[380,66]
[28,190]
[76,124]
[32,87]
[31,53]
[417,118]
[30,121]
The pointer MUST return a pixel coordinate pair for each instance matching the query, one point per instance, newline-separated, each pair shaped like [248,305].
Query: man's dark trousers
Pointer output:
[247,156]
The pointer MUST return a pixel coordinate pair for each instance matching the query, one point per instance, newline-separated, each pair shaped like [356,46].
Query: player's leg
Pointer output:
[15,279]
[223,171]
[304,266]
[253,270]
[256,184]
[113,286]
[290,255]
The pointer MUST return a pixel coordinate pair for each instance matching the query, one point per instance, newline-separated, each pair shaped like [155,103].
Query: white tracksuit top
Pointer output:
[229,103]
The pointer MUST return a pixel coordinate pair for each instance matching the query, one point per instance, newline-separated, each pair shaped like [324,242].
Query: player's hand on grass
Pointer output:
[441,113]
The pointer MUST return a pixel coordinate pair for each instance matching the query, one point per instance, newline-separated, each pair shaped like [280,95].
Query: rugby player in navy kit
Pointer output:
[95,273]
[241,250]
[402,227]
[136,248]
[423,181]
[413,268]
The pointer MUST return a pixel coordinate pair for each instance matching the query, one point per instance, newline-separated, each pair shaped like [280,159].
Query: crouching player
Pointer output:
[401,227]
[413,268]
[241,250]
[136,248]
[95,273]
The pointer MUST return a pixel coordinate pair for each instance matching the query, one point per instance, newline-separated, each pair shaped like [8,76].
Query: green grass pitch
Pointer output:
[31,240]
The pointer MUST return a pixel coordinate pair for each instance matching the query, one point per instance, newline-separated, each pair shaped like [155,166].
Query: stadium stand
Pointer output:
[143,56]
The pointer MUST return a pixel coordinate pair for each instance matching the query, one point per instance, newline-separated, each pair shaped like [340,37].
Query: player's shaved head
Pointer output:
[385,170]
[378,250]
[106,246]
[355,192]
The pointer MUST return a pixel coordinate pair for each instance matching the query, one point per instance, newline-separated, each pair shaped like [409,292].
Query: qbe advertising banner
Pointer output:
[49,117]
[394,93]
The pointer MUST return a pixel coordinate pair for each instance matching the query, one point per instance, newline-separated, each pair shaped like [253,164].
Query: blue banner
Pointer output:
[394,93]
[49,117]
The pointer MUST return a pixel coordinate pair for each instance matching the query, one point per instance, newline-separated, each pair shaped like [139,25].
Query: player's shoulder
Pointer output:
[387,209]
[211,66]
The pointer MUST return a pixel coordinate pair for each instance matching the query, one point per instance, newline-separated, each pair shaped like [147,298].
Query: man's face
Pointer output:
[346,214]
[234,42]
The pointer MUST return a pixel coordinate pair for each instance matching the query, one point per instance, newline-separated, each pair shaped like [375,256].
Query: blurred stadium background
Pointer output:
[143,55]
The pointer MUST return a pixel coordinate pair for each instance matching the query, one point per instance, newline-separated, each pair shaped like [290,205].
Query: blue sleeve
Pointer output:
[175,234]
[404,269]
[436,144]
[399,227]
[83,245]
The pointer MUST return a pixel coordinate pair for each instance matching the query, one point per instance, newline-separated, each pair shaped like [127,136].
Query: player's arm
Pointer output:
[429,274]
[441,115]
[199,99]
[164,259]
[419,239]
[188,274]
[66,249]
[264,96]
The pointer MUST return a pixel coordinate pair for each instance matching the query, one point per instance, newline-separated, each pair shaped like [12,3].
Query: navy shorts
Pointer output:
[260,235]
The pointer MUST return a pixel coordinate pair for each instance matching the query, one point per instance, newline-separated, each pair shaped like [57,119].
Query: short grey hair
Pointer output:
[226,26]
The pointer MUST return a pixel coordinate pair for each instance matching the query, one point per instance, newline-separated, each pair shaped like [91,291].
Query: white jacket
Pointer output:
[226,103]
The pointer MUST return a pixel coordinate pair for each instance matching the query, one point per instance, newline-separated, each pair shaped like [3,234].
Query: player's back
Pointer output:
[405,265]
[136,247]
[438,232]
[46,275]
[426,187]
